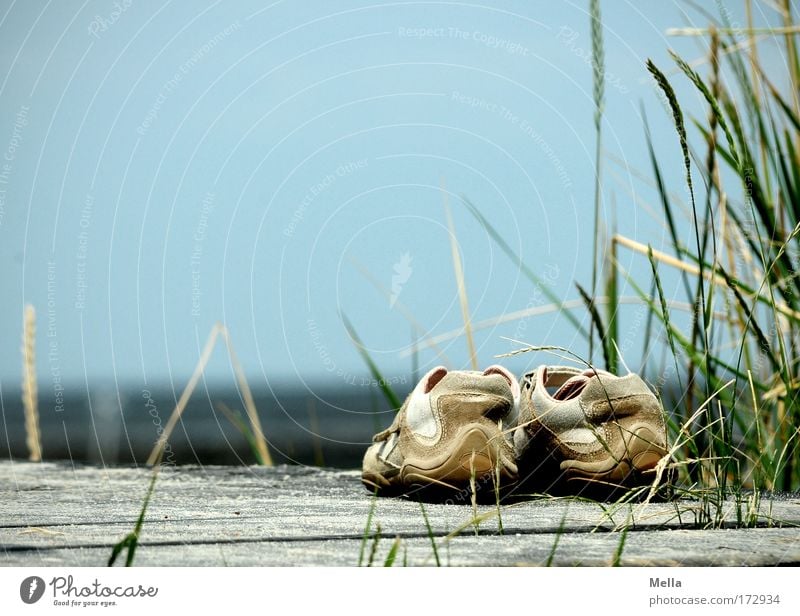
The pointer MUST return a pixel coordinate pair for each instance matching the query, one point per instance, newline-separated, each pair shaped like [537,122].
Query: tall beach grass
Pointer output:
[742,173]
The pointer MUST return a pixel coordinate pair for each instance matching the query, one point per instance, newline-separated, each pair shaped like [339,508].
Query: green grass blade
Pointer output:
[367,527]
[665,201]
[554,547]
[598,324]
[617,558]
[702,307]
[664,314]
[131,540]
[612,311]
[392,555]
[374,548]
[712,101]
[526,271]
[430,534]
[388,392]
[677,116]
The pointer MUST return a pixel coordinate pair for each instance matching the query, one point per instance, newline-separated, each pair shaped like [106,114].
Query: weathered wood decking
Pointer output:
[53,514]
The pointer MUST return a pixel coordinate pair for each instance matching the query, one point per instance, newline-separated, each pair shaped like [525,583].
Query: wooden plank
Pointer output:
[747,547]
[53,513]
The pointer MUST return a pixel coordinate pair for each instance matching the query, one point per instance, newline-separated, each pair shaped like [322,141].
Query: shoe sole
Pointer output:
[477,451]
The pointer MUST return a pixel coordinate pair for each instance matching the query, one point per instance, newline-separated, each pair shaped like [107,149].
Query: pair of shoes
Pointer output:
[560,429]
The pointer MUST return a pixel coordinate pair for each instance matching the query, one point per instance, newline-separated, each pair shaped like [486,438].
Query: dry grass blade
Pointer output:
[131,540]
[559,351]
[684,430]
[462,288]
[713,278]
[538,282]
[216,331]
[249,402]
[237,422]
[158,449]
[598,96]
[37,530]
[30,394]
[571,304]
[733,31]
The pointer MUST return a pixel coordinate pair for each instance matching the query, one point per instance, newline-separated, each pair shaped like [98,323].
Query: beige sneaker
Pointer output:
[592,430]
[454,426]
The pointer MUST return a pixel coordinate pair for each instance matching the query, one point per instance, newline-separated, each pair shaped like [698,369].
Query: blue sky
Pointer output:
[271,165]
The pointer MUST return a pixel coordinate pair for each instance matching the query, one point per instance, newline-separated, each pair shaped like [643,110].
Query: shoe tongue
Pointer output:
[573,386]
